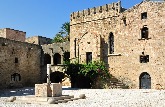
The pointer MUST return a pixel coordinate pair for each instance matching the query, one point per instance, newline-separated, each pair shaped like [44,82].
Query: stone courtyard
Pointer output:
[94,98]
[129,41]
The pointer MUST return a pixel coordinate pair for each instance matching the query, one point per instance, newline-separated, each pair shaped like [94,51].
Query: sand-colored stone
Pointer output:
[48,90]
[124,64]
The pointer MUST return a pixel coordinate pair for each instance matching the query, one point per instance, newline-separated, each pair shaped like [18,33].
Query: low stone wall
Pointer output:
[48,90]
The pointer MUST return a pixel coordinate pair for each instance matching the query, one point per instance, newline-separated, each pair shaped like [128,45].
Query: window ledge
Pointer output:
[119,54]
[144,38]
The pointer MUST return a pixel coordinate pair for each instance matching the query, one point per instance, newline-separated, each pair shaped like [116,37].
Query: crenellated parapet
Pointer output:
[40,40]
[96,13]
[13,34]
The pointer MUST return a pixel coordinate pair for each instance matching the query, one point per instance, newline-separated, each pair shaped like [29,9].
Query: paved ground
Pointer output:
[95,98]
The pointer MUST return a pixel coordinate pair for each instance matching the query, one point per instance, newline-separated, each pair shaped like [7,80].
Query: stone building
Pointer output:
[23,60]
[131,42]
[39,40]
[13,34]
[19,61]
[55,54]
[52,53]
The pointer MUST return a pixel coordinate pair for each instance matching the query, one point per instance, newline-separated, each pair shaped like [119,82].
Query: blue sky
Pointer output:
[45,17]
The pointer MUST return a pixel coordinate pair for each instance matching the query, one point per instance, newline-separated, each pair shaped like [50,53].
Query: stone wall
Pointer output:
[52,53]
[13,34]
[54,48]
[126,27]
[21,59]
[95,13]
[38,40]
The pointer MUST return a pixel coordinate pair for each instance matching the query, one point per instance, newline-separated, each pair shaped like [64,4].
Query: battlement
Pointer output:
[89,14]
[40,40]
[9,42]
[15,30]
[13,34]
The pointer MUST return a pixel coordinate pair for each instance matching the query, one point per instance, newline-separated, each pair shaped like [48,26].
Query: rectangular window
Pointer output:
[144,15]
[144,58]
[16,60]
[75,47]
[144,33]
[125,22]
[111,43]
[88,57]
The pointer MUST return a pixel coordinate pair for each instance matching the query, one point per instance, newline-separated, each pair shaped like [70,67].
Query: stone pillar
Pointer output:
[48,73]
[62,58]
[52,56]
[52,59]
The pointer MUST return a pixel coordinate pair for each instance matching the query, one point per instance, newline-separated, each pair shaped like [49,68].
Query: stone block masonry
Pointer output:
[48,90]
[131,34]
[19,63]
[13,34]
[39,40]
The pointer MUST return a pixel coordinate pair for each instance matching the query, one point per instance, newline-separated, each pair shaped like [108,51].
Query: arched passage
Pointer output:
[47,59]
[145,81]
[56,77]
[57,58]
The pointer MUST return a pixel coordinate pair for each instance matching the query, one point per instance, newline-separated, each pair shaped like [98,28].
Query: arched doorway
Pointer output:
[56,77]
[47,59]
[57,58]
[145,81]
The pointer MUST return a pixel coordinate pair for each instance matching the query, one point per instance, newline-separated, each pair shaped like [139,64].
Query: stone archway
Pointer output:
[56,77]
[145,81]
[47,59]
[57,58]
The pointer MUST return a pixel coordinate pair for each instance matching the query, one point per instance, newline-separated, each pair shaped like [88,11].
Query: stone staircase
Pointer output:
[116,84]
[45,100]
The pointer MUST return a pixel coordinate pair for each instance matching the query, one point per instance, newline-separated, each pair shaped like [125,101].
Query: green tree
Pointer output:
[58,38]
[65,29]
[63,35]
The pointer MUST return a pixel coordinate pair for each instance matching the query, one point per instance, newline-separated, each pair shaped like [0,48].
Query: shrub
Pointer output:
[91,71]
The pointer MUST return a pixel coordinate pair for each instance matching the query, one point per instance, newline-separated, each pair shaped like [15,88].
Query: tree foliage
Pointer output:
[92,71]
[63,34]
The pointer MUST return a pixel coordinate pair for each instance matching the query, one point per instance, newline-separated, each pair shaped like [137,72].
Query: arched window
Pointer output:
[15,77]
[47,59]
[144,33]
[111,43]
[57,58]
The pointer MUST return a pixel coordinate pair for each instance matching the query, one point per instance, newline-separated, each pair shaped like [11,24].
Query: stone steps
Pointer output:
[45,100]
[116,84]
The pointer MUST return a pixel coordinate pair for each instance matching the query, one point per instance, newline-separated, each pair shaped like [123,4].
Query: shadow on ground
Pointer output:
[17,92]
[25,91]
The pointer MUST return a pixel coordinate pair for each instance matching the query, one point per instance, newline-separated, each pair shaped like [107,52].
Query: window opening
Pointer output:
[111,43]
[144,33]
[144,15]
[144,58]
[16,60]
[88,57]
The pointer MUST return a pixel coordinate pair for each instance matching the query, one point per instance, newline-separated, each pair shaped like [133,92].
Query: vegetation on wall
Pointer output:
[63,34]
[86,75]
